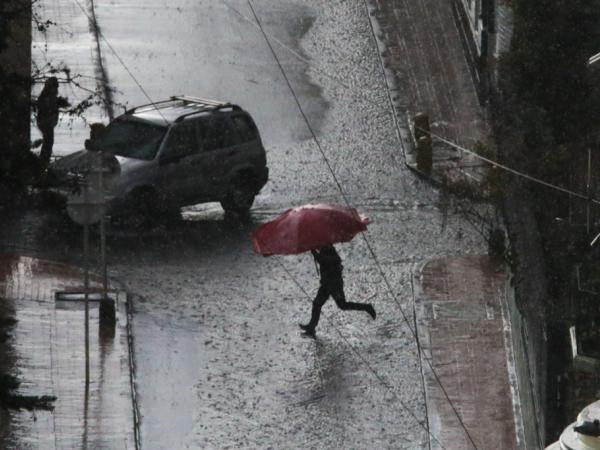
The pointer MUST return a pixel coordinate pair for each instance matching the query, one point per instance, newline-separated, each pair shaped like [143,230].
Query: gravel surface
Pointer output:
[221,363]
[220,359]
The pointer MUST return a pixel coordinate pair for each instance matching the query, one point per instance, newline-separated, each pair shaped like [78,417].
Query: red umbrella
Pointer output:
[308,227]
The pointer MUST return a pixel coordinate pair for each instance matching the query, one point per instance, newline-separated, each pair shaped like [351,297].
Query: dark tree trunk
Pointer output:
[15,92]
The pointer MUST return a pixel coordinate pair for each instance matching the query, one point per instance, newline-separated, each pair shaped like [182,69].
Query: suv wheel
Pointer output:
[240,195]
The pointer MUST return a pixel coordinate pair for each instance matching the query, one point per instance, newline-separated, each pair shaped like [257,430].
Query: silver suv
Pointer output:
[179,152]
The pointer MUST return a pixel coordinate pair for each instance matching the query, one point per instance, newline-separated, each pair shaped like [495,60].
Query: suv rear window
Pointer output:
[245,128]
[215,133]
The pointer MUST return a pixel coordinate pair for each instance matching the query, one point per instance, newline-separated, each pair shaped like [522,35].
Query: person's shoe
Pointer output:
[308,330]
[371,311]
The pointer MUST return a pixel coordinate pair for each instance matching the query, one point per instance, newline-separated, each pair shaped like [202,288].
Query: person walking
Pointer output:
[47,104]
[331,284]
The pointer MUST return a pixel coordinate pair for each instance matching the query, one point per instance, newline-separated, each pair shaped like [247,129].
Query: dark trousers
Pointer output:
[334,289]
[48,142]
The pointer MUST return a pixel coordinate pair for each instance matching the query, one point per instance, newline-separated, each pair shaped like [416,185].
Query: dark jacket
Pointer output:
[330,264]
[48,104]
[47,109]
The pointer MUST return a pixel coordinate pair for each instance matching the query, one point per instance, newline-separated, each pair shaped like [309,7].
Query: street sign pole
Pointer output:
[102,235]
[86,209]
[107,305]
[86,288]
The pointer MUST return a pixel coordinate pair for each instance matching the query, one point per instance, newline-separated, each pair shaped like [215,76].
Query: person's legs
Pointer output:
[337,292]
[46,151]
[318,302]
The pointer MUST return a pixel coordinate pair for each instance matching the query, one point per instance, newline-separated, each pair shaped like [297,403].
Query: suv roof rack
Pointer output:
[199,104]
[198,100]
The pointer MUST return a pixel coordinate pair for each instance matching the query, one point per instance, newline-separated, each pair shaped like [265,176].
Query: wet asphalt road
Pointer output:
[220,360]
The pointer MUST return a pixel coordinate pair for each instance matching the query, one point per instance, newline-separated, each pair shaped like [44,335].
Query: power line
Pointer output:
[139,85]
[293,92]
[381,380]
[416,337]
[367,99]
[358,354]
[340,188]
[509,169]
[440,138]
[135,80]
[301,58]
[316,141]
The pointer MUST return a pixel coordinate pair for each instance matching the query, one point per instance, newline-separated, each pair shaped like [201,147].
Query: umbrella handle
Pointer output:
[316,266]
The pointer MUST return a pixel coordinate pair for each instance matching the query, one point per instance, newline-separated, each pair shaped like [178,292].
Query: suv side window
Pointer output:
[245,127]
[182,141]
[216,132]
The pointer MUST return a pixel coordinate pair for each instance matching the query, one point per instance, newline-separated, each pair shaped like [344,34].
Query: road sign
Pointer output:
[86,207]
[104,170]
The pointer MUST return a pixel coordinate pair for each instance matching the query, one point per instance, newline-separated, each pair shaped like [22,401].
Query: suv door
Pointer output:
[220,144]
[176,173]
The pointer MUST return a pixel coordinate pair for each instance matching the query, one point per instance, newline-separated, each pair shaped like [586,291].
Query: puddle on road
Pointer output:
[289,26]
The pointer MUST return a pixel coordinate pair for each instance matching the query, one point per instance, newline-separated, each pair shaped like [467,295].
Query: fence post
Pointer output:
[421,125]
[424,154]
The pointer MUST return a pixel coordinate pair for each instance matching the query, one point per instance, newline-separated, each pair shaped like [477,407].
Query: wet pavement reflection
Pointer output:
[47,344]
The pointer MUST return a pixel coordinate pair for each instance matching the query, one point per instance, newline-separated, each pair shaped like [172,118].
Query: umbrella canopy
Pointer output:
[308,227]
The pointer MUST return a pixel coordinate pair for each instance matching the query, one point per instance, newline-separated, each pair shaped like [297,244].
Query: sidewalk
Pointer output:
[464,332]
[47,347]
[426,71]
[461,302]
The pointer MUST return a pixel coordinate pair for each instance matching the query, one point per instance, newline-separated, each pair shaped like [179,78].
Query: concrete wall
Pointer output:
[531,296]
[484,42]
[485,27]
[525,385]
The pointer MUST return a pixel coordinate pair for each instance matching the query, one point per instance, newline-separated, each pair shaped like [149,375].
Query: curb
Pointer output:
[400,113]
[131,360]
[406,145]
[132,373]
